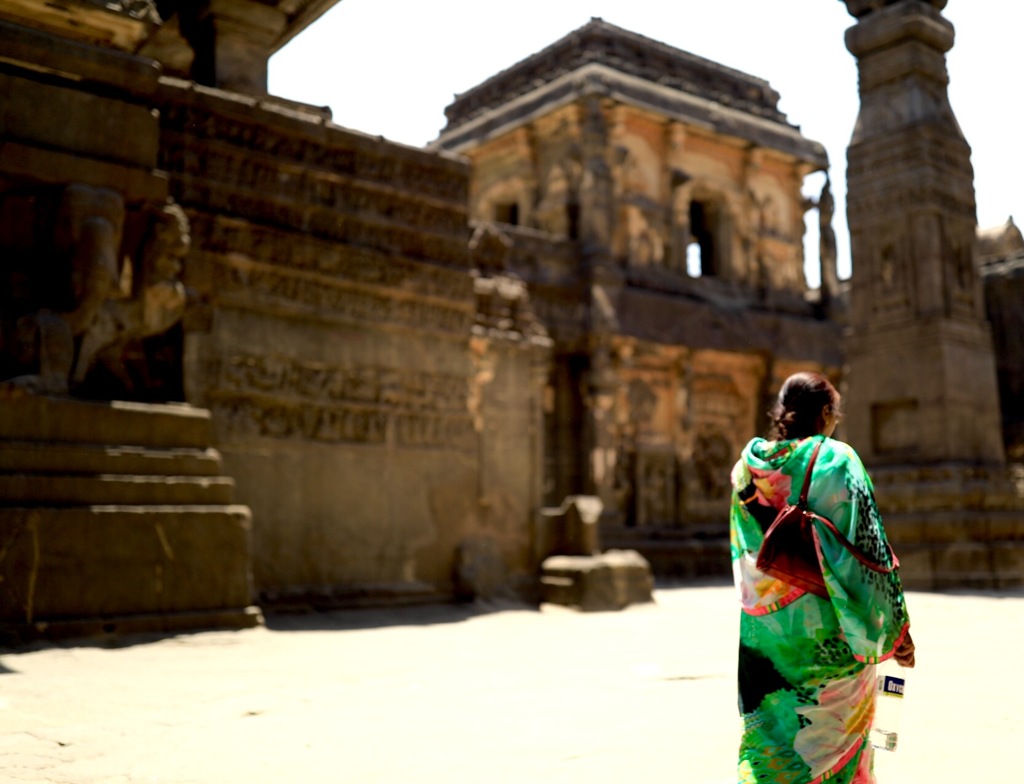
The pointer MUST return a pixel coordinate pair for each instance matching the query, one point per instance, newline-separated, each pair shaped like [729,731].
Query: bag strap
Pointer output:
[853,550]
[802,502]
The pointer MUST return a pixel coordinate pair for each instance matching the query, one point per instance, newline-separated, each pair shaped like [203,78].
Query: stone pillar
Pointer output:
[603,280]
[233,41]
[922,381]
[827,246]
[922,402]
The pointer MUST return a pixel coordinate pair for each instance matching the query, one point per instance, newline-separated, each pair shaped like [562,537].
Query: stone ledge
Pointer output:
[13,634]
[33,418]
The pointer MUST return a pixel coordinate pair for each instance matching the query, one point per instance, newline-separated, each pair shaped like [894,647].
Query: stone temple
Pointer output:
[250,358]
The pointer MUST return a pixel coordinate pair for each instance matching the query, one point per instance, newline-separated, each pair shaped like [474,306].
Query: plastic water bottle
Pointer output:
[891,685]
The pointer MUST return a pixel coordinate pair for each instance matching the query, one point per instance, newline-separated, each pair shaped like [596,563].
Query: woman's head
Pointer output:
[808,404]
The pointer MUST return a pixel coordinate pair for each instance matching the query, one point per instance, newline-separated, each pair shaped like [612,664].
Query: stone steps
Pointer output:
[37,419]
[116,517]
[606,581]
[951,525]
[51,489]
[35,458]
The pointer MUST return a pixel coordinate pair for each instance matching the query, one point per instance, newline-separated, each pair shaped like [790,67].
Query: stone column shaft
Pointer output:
[921,377]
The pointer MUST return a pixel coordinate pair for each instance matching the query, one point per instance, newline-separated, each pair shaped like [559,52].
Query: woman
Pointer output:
[806,663]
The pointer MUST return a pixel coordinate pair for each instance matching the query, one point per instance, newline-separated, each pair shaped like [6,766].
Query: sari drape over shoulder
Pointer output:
[806,664]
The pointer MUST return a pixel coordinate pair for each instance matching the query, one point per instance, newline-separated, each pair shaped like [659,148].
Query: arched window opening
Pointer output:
[701,253]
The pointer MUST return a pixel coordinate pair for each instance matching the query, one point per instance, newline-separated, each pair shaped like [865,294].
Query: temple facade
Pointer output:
[651,202]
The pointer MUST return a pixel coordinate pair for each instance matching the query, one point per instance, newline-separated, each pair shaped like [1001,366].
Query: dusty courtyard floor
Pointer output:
[466,695]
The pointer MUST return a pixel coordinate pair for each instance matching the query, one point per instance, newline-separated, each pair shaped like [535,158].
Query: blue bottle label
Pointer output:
[892,686]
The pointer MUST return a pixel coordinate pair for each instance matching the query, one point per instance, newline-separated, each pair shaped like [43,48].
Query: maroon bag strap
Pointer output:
[853,550]
[802,501]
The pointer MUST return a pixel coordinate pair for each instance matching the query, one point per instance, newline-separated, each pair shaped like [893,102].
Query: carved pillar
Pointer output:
[232,40]
[603,281]
[597,187]
[679,198]
[827,246]
[922,383]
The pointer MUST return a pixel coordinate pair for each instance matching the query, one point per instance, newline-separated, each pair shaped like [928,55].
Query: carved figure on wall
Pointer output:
[645,246]
[87,241]
[87,301]
[712,457]
[157,304]
[642,402]
[655,487]
[557,210]
[596,182]
[624,485]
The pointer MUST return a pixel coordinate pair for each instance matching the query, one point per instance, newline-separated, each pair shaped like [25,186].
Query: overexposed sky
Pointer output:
[390,67]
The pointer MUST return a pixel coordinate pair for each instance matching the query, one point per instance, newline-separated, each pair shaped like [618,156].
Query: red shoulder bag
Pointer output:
[788,551]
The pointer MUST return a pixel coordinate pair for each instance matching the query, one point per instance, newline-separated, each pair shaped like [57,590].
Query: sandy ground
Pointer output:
[473,695]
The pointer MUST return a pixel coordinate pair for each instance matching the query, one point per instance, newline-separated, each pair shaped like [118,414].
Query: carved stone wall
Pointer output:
[332,345]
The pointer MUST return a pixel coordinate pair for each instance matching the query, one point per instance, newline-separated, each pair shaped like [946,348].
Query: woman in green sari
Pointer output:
[807,663]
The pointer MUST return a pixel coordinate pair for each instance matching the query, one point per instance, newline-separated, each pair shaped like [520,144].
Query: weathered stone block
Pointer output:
[610,581]
[110,561]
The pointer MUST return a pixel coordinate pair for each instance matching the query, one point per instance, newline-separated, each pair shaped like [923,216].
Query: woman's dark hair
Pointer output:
[801,399]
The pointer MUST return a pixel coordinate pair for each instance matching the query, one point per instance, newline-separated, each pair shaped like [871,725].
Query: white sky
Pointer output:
[390,67]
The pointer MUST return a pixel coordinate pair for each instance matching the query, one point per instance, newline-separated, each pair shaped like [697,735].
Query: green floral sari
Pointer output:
[807,664]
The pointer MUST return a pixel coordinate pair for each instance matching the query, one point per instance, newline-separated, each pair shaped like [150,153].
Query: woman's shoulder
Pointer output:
[841,454]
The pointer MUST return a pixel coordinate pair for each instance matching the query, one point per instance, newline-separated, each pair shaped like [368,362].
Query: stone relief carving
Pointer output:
[343,156]
[257,285]
[281,248]
[890,281]
[157,304]
[91,284]
[642,402]
[415,390]
[557,209]
[713,457]
[655,487]
[645,244]
[82,272]
[342,226]
[281,397]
